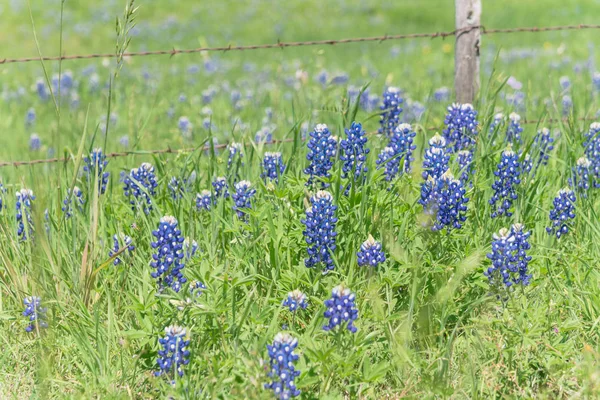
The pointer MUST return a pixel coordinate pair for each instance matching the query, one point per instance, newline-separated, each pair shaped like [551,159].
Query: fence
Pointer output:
[467,35]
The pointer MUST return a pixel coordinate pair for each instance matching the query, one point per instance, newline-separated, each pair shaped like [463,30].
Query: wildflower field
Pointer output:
[318,222]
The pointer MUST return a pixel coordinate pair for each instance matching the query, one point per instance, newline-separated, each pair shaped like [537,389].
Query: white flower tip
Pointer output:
[514,117]
[169,219]
[584,162]
[323,194]
[320,128]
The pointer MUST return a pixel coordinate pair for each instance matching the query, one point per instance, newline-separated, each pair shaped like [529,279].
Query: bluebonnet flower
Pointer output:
[444,199]
[322,149]
[25,198]
[508,177]
[390,160]
[435,161]
[465,165]
[497,122]
[442,94]
[30,117]
[121,241]
[400,148]
[341,309]
[174,353]
[592,150]
[390,116]
[2,191]
[185,126]
[565,82]
[542,146]
[370,253]
[322,77]
[264,135]
[340,79]
[95,168]
[514,129]
[273,166]
[41,89]
[320,231]
[516,100]
[235,154]
[283,372]
[509,257]
[35,312]
[34,142]
[221,187]
[353,153]
[178,187]
[204,200]
[124,141]
[567,104]
[168,260]
[190,248]
[563,210]
[461,127]
[580,179]
[295,300]
[139,187]
[77,195]
[196,288]
[596,80]
[242,197]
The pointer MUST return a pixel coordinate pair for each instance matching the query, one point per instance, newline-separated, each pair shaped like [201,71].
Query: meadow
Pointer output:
[439,299]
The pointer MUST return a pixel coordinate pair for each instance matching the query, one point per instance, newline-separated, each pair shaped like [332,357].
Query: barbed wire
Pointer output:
[282,45]
[170,150]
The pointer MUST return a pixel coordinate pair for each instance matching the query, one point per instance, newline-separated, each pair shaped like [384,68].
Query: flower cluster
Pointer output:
[509,257]
[580,179]
[353,152]
[196,288]
[435,161]
[444,199]
[174,353]
[400,148]
[542,146]
[95,169]
[168,259]
[322,149]
[185,126]
[235,154]
[204,200]
[190,247]
[178,187]
[341,309]
[75,194]
[24,199]
[370,253]
[592,150]
[242,197]
[139,186]
[35,312]
[465,166]
[35,143]
[563,210]
[508,177]
[461,126]
[221,187]
[283,372]
[320,232]
[497,122]
[390,115]
[391,161]
[121,242]
[514,129]
[273,166]
[295,300]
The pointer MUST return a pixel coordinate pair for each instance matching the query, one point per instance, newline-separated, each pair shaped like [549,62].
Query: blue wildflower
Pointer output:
[283,373]
[2,191]
[178,187]
[174,353]
[391,161]
[273,166]
[295,300]
[461,127]
[596,80]
[204,200]
[77,195]
[168,260]
[322,149]
[124,141]
[567,104]
[221,187]
[442,94]
[509,257]
[507,174]
[514,129]
[390,115]
[563,210]
[353,152]
[190,248]
[185,126]
[196,288]
[41,89]
[542,146]
[35,142]
[244,192]
[320,232]
[565,82]
[370,253]
[497,122]
[35,312]
[435,161]
[139,187]
[444,199]
[465,165]
[264,135]
[25,199]
[235,155]
[30,117]
[592,150]
[341,309]
[95,168]
[121,242]
[581,175]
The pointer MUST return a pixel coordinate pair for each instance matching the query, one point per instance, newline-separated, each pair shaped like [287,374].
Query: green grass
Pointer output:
[427,326]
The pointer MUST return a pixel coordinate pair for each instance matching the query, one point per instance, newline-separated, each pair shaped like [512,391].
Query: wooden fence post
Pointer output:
[466,53]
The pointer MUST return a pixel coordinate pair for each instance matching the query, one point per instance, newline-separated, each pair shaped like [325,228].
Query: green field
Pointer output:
[429,324]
